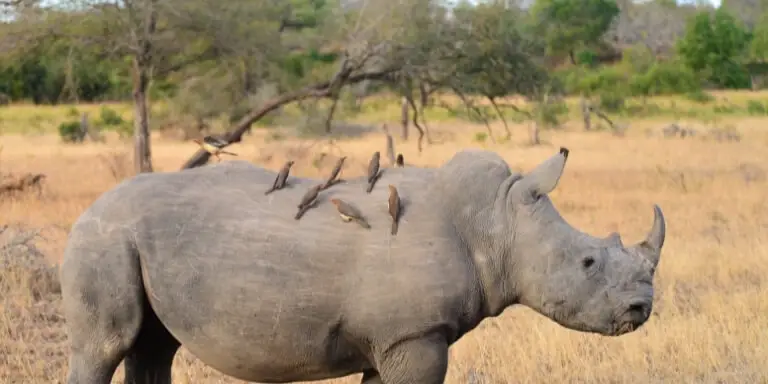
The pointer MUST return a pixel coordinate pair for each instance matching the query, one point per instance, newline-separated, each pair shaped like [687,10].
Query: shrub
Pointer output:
[109,117]
[69,131]
[699,96]
[756,108]
[612,101]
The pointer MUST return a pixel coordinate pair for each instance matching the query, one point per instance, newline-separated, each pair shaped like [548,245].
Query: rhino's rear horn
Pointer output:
[614,240]
[650,248]
[542,179]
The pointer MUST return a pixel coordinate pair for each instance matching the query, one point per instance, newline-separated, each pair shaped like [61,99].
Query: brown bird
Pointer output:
[373,171]
[308,200]
[394,207]
[349,212]
[399,161]
[335,173]
[281,177]
[214,145]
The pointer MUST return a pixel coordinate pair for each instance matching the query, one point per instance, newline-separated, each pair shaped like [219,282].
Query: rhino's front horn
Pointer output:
[650,248]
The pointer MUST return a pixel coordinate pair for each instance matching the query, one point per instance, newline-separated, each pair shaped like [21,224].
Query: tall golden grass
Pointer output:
[710,322]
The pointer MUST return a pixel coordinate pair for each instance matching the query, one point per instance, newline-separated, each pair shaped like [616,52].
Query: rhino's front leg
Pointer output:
[414,361]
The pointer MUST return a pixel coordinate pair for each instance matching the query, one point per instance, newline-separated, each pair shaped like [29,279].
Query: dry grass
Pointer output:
[712,294]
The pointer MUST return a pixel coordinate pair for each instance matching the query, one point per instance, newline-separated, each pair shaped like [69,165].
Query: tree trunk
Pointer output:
[404,118]
[534,133]
[586,114]
[142,158]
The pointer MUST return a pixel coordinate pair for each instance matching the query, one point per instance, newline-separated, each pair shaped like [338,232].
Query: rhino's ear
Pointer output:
[542,180]
[650,248]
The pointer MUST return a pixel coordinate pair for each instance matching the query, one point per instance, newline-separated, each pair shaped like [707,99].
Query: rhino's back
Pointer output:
[226,266]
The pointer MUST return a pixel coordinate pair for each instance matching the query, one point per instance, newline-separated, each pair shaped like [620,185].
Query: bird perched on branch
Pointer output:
[214,145]
[373,171]
[399,162]
[335,173]
[280,178]
[308,200]
[394,207]
[349,212]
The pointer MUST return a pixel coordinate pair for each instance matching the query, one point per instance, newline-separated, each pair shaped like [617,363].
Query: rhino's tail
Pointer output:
[394,227]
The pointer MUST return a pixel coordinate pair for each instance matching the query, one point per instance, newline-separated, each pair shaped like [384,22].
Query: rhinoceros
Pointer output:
[202,258]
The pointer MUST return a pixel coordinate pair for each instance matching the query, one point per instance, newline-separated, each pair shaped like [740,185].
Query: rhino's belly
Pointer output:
[255,327]
[288,356]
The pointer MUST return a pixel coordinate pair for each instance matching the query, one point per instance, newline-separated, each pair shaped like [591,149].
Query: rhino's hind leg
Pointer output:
[102,302]
[108,317]
[151,356]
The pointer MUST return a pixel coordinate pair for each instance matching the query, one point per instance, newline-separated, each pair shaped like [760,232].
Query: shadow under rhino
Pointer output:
[168,259]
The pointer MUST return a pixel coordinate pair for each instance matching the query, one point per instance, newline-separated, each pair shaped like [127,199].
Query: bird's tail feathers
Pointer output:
[363,224]
[301,212]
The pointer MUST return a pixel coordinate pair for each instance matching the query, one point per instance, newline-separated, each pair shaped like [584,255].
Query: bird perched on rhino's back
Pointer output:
[214,144]
[281,177]
[349,212]
[373,171]
[399,161]
[308,200]
[393,205]
[146,258]
[333,178]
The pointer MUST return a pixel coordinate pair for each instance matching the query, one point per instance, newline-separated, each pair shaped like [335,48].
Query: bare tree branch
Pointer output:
[235,135]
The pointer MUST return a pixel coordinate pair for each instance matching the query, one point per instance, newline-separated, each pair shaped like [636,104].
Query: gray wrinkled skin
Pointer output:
[202,258]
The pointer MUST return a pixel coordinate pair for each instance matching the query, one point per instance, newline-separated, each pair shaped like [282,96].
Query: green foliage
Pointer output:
[498,57]
[758,47]
[587,58]
[664,78]
[612,101]
[58,71]
[109,117]
[699,96]
[481,137]
[569,24]
[621,81]
[69,131]
[756,108]
[713,47]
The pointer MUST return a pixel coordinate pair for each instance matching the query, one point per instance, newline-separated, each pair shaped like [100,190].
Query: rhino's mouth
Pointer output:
[624,328]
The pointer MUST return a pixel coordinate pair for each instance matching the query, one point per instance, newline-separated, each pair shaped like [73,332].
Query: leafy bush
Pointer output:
[699,96]
[665,78]
[658,78]
[586,58]
[756,108]
[612,101]
[110,117]
[69,131]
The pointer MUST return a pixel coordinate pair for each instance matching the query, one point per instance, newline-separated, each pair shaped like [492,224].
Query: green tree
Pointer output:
[713,46]
[758,48]
[567,25]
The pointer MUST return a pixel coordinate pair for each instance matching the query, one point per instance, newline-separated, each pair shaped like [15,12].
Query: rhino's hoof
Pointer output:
[564,151]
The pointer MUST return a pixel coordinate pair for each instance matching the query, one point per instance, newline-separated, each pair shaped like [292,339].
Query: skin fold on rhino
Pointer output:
[202,258]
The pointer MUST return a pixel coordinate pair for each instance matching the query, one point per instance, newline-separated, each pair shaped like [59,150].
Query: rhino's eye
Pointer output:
[587,262]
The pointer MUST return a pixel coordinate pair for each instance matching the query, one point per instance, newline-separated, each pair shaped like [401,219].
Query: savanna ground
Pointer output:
[710,321]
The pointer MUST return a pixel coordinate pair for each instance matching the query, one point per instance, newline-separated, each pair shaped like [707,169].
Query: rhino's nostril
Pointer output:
[639,307]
